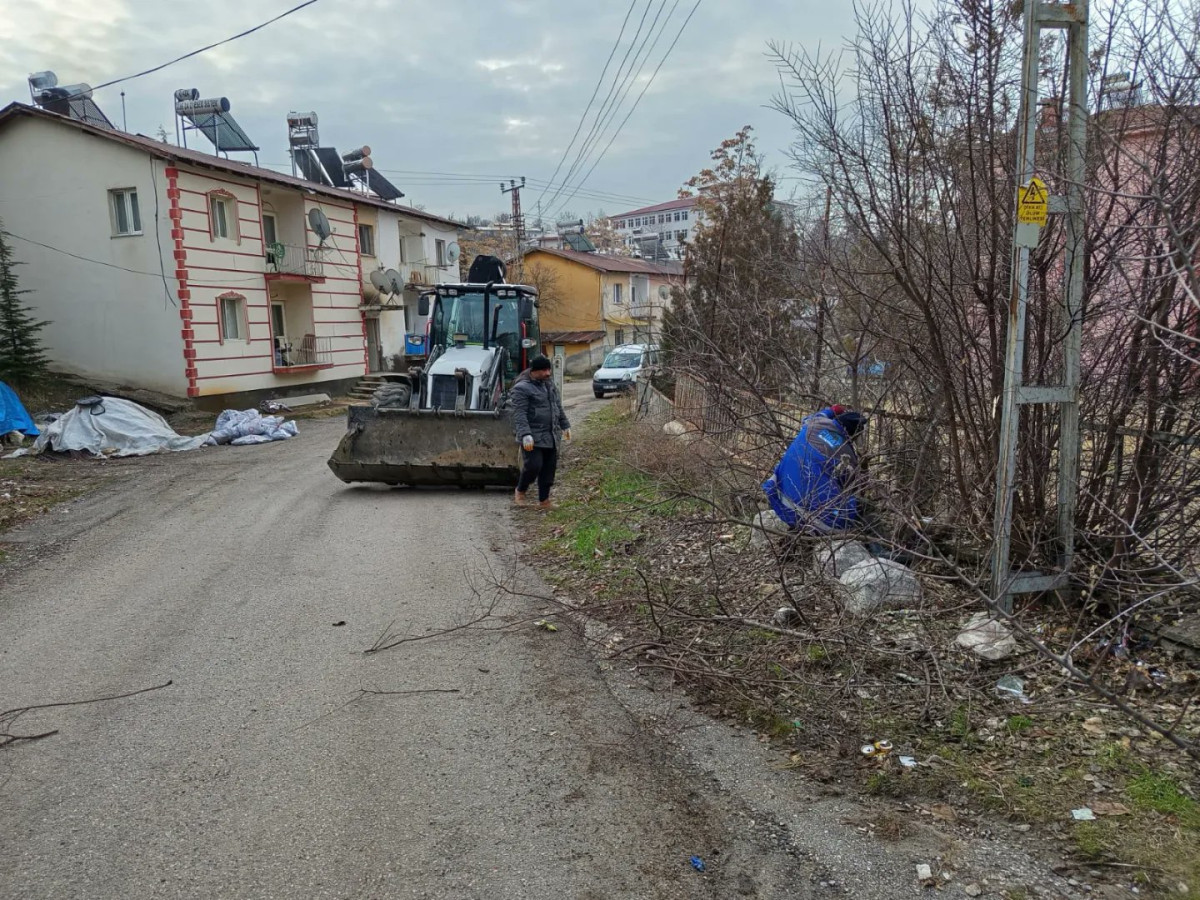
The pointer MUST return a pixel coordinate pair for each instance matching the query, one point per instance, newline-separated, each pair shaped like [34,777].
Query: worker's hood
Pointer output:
[474,359]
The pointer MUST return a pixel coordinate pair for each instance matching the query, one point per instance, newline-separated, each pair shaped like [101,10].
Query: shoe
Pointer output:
[547,504]
[519,498]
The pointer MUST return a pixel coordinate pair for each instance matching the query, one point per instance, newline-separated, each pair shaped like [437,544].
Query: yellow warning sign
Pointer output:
[1033,202]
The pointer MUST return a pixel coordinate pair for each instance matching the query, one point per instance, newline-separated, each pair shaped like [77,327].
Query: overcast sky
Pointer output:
[482,88]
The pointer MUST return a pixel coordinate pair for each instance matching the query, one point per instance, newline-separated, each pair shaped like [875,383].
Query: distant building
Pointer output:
[661,231]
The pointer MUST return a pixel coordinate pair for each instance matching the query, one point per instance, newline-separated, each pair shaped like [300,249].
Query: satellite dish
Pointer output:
[663,292]
[453,251]
[320,224]
[380,280]
[395,281]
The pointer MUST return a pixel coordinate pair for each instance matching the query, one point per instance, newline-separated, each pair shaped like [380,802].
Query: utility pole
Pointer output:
[518,221]
[1033,205]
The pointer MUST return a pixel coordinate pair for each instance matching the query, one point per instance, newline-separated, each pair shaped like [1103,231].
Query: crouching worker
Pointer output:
[538,418]
[814,486]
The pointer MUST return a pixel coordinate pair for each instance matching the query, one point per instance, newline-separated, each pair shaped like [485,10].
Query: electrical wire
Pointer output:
[653,75]
[159,68]
[107,265]
[618,82]
[158,235]
[592,99]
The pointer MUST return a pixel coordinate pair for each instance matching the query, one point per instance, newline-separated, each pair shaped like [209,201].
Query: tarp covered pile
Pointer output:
[110,426]
[250,427]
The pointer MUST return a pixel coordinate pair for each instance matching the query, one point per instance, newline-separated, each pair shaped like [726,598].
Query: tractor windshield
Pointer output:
[464,315]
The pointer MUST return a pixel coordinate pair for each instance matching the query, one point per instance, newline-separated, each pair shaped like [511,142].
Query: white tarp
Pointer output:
[114,427]
[249,427]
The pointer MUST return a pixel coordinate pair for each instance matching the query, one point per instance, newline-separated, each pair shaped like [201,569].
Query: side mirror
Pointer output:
[423,306]
[528,343]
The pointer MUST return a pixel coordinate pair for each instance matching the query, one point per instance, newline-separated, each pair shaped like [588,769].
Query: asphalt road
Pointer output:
[501,767]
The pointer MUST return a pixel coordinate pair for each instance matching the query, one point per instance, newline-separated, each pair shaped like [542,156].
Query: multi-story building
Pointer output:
[182,272]
[660,231]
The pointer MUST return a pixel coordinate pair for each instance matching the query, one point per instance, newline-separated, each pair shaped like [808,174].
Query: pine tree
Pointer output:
[22,356]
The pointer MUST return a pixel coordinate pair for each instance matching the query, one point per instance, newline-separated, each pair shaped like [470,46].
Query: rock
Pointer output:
[786,617]
[675,428]
[973,890]
[924,873]
[767,525]
[987,638]
[835,558]
[875,583]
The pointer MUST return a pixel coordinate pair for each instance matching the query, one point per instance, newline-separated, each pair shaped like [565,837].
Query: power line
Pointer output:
[592,99]
[653,75]
[282,15]
[618,83]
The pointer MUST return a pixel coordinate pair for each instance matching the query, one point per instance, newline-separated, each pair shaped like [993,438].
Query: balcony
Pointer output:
[294,262]
[309,353]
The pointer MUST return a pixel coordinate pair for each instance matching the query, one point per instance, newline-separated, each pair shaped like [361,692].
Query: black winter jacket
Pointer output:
[537,410]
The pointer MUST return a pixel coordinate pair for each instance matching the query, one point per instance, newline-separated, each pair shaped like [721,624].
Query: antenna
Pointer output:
[319,223]
[453,251]
[380,280]
[395,281]
[663,292]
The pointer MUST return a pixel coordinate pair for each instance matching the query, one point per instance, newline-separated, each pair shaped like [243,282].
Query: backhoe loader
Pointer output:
[447,422]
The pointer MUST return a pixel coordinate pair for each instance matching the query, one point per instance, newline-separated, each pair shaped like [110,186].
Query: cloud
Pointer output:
[435,85]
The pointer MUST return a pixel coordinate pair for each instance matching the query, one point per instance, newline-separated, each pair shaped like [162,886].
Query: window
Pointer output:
[232,310]
[403,255]
[222,216]
[366,240]
[269,233]
[617,295]
[661,218]
[619,337]
[439,247]
[126,219]
[677,216]
[681,236]
[633,295]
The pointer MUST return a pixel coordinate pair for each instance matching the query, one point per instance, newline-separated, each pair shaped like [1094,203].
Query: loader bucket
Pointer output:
[427,447]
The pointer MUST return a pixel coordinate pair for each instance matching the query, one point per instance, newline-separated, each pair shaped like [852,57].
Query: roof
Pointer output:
[171,153]
[605,263]
[681,203]
[572,337]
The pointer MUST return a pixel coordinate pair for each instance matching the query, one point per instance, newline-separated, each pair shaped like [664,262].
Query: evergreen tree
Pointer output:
[22,356]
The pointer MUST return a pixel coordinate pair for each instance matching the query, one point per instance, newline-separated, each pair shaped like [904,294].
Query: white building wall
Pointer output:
[105,322]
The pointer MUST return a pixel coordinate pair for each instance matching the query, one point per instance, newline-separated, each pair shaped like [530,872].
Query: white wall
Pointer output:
[106,323]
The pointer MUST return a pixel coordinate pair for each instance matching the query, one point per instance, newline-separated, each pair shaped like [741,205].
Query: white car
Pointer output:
[621,368]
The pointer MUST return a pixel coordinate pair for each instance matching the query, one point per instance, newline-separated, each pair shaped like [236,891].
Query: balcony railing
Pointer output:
[295,259]
[310,352]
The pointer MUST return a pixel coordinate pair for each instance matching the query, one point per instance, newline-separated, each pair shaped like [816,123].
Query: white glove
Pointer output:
[527,443]
[566,434]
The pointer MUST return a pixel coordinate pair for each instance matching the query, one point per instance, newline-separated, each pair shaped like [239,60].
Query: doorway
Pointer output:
[374,348]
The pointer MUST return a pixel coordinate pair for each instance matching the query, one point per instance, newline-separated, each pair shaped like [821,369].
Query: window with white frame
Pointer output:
[616,293]
[366,240]
[439,247]
[232,311]
[676,215]
[685,212]
[222,216]
[123,205]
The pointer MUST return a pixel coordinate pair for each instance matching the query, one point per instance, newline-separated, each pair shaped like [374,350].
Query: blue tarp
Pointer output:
[13,416]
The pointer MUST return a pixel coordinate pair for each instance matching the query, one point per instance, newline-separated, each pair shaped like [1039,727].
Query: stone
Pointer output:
[924,873]
[835,558]
[973,890]
[675,428]
[767,526]
[786,617]
[879,583]
[987,638]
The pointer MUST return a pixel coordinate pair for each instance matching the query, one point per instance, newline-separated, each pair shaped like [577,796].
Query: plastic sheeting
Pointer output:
[114,427]
[250,427]
[13,416]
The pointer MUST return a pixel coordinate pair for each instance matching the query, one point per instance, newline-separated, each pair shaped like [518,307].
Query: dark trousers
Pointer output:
[540,465]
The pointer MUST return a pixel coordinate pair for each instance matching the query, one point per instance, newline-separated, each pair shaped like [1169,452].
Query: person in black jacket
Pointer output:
[538,418]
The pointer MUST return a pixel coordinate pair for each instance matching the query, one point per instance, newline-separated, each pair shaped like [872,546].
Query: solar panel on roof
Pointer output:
[309,167]
[579,242]
[225,133]
[82,109]
[382,188]
[333,165]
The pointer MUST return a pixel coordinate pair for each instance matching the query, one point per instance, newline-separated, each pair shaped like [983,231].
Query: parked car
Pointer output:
[621,368]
